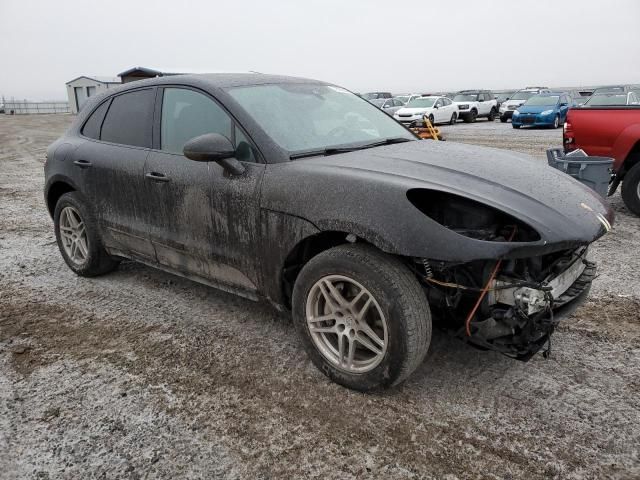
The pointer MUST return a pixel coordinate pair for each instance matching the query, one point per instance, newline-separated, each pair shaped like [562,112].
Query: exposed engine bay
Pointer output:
[508,305]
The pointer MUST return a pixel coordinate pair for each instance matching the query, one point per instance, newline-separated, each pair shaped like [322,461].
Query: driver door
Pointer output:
[203,222]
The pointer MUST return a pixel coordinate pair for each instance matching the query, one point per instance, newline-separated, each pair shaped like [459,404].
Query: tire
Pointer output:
[631,189]
[399,303]
[556,122]
[96,260]
[492,115]
[469,117]
[503,119]
[432,120]
[454,119]
[474,116]
[515,126]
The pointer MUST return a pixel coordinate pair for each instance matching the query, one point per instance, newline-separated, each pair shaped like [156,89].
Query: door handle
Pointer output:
[82,163]
[156,177]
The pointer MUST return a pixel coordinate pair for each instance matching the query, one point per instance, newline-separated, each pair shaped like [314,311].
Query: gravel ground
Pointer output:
[140,374]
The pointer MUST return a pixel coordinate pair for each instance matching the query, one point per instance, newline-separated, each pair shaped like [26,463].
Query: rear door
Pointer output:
[110,165]
[203,221]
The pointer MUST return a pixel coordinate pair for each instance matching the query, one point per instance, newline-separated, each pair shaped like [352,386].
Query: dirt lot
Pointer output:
[140,374]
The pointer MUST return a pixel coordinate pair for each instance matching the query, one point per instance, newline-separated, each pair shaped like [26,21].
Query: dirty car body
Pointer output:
[452,214]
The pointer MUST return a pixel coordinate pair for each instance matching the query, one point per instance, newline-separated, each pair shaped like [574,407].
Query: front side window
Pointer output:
[129,119]
[187,114]
[305,117]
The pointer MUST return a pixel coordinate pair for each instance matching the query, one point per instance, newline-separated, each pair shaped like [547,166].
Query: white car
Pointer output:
[473,104]
[518,99]
[437,109]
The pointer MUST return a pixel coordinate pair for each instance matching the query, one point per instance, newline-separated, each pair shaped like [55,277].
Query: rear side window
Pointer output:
[129,119]
[92,126]
[187,114]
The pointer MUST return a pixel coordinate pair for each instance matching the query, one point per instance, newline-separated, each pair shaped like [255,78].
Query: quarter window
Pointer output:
[128,121]
[92,126]
[187,114]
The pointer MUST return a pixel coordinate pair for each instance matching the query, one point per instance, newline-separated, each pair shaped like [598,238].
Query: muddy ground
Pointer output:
[140,374]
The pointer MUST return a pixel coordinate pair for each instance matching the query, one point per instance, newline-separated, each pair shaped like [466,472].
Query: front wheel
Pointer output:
[503,119]
[432,120]
[631,189]
[78,237]
[363,317]
[515,126]
[556,121]
[492,115]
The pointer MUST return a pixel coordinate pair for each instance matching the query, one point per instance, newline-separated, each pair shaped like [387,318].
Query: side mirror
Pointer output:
[213,147]
[563,104]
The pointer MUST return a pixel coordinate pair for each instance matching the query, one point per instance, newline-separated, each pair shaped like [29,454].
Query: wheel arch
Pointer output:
[306,249]
[632,158]
[55,189]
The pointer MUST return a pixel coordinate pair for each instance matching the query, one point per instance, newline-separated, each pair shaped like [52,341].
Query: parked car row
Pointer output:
[532,106]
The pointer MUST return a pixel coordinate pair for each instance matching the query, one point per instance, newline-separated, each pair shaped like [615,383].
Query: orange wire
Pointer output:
[484,291]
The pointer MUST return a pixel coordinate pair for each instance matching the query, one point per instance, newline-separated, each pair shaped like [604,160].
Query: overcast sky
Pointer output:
[362,45]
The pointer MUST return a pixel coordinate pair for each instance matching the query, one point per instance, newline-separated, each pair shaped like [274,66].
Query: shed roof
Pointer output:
[97,78]
[145,71]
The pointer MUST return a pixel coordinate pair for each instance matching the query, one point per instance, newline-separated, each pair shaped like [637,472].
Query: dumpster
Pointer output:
[594,172]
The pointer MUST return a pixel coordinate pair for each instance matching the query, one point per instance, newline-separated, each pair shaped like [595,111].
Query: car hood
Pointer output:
[370,186]
[536,108]
[414,111]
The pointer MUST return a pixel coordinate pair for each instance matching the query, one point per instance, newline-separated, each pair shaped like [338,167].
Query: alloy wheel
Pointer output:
[73,235]
[346,324]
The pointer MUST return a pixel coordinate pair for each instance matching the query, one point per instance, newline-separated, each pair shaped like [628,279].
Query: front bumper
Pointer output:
[533,120]
[506,114]
[408,120]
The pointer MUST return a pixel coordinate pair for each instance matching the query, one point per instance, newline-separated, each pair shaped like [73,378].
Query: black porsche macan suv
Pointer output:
[303,194]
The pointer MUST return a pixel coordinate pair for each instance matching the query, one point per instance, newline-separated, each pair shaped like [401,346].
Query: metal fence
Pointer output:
[25,107]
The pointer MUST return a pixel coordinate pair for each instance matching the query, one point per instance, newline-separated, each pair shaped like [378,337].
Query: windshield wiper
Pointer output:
[336,150]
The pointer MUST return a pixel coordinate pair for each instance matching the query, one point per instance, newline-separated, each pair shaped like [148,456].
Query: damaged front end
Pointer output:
[515,310]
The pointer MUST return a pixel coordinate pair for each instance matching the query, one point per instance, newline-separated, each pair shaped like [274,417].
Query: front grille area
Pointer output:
[528,119]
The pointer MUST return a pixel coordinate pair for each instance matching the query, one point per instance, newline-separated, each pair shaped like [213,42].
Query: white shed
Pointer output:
[81,88]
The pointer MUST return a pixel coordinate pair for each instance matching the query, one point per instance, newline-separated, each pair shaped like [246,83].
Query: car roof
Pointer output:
[223,80]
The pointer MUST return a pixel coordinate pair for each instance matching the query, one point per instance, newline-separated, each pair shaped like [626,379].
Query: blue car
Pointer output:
[543,110]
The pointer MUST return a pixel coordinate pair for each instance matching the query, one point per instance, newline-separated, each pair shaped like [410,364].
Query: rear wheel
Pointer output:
[78,237]
[362,316]
[503,119]
[631,189]
[453,120]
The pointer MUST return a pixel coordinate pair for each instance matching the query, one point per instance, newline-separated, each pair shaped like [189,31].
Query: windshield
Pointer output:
[372,95]
[403,99]
[302,117]
[465,97]
[613,89]
[540,100]
[502,96]
[522,95]
[610,99]
[422,102]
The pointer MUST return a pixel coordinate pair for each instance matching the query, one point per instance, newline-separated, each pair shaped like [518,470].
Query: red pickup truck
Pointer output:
[610,132]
